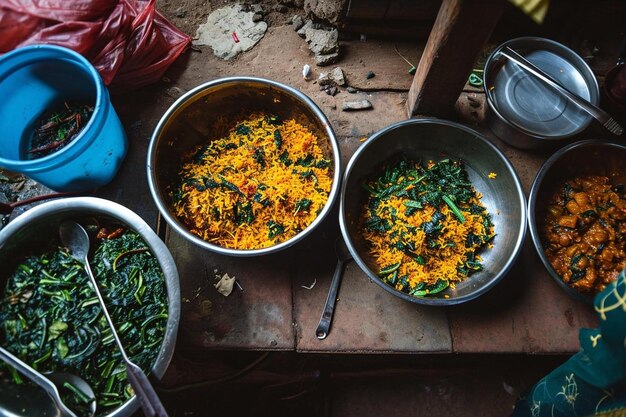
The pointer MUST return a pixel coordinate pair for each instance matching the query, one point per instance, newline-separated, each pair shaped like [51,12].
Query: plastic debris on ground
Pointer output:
[306,71]
[128,41]
[225,285]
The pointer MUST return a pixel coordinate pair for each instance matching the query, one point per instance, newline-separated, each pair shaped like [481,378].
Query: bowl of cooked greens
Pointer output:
[50,316]
[432,211]
[577,216]
[244,166]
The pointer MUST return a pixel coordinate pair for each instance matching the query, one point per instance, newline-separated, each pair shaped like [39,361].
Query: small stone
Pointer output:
[328,59]
[324,79]
[323,87]
[370,75]
[337,75]
[257,17]
[351,90]
[302,31]
[332,91]
[322,42]
[257,8]
[286,2]
[297,22]
[356,105]
[281,8]
[333,106]
[306,71]
[175,92]
[180,12]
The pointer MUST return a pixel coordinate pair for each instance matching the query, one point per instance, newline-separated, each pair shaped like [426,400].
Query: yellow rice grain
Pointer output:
[249,159]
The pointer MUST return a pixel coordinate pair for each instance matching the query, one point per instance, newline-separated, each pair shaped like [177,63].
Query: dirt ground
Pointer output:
[188,14]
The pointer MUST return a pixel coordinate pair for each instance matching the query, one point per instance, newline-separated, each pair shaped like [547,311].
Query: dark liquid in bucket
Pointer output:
[57,128]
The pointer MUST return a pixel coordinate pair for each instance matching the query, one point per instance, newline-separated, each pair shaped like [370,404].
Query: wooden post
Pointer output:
[460,31]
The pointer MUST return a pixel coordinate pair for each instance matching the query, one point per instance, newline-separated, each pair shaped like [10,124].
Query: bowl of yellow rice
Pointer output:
[432,211]
[244,166]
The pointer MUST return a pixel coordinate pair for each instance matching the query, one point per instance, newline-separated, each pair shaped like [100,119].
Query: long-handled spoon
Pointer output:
[51,383]
[75,239]
[343,255]
[596,112]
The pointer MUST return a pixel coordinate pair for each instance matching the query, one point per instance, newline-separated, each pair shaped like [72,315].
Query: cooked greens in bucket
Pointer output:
[56,129]
[51,319]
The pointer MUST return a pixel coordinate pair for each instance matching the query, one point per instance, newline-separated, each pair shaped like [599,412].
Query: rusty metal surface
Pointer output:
[255,318]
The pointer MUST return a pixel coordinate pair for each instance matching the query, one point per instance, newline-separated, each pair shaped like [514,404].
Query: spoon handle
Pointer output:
[323,328]
[148,398]
[150,402]
[37,378]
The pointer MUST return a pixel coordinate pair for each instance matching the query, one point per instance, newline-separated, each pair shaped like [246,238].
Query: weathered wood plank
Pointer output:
[259,317]
[367,318]
[527,312]
[459,33]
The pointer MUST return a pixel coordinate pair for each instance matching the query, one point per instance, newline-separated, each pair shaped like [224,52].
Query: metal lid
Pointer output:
[532,106]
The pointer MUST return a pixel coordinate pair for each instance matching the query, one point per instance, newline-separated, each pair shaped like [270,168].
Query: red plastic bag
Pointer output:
[129,42]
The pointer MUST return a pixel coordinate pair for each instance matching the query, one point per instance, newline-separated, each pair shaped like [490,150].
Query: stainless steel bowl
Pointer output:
[588,157]
[190,120]
[429,139]
[43,221]
[522,110]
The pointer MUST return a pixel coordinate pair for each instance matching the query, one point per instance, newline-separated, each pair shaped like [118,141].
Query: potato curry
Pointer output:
[585,232]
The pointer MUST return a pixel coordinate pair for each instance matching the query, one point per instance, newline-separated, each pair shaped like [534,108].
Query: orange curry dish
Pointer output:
[585,232]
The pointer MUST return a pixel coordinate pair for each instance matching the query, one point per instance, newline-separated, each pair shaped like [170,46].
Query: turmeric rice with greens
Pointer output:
[257,187]
[425,225]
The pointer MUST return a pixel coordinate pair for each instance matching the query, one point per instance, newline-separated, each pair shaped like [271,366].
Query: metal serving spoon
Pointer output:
[343,255]
[597,113]
[75,239]
[51,382]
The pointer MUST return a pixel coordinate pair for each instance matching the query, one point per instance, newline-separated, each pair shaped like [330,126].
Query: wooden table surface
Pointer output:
[282,295]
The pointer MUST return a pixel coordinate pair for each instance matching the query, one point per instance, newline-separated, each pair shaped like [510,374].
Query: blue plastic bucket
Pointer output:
[36,79]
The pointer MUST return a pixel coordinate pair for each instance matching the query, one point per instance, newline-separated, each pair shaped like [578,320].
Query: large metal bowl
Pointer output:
[588,157]
[429,139]
[190,121]
[43,221]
